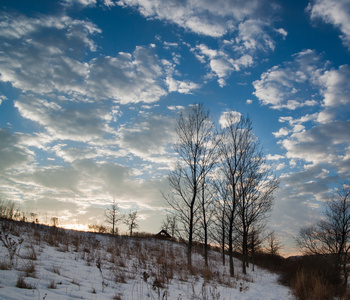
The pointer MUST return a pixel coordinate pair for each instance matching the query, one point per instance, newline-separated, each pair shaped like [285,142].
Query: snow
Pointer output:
[78,265]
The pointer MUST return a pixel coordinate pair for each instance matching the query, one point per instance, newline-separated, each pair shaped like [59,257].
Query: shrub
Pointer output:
[312,277]
[56,270]
[117,297]
[11,244]
[31,253]
[5,265]
[52,285]
[309,286]
[29,269]
[322,266]
[22,284]
[268,261]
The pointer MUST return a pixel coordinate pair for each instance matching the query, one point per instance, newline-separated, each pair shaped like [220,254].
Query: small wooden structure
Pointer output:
[163,235]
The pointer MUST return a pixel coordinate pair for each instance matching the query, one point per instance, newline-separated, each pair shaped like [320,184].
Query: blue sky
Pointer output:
[90,91]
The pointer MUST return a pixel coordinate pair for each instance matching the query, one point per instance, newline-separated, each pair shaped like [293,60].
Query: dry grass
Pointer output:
[52,285]
[29,269]
[22,284]
[122,259]
[309,286]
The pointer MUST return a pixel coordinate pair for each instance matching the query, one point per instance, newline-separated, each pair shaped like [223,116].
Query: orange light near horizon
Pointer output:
[78,227]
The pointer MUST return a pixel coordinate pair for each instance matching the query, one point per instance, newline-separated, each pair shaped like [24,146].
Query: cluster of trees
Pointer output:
[10,210]
[221,187]
[330,237]
[113,217]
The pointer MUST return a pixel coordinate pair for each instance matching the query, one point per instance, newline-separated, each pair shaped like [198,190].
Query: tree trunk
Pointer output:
[244,250]
[230,250]
[223,252]
[206,246]
[190,237]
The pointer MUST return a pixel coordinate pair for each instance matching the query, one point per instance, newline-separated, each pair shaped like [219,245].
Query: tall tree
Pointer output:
[194,132]
[230,153]
[207,210]
[219,232]
[256,186]
[112,217]
[249,184]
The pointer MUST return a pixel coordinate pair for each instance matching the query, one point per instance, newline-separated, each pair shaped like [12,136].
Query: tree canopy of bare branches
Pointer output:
[194,132]
[131,221]
[221,184]
[248,182]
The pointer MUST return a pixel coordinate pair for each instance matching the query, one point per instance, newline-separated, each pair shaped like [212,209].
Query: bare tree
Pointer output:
[219,232]
[331,236]
[249,183]
[228,176]
[54,221]
[207,191]
[112,217]
[207,210]
[7,209]
[255,240]
[273,243]
[130,221]
[255,188]
[194,133]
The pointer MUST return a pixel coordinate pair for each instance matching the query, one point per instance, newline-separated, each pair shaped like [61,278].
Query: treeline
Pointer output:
[221,188]
[11,211]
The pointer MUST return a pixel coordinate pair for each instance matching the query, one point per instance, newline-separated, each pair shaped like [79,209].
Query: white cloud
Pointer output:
[12,153]
[149,137]
[320,137]
[232,115]
[176,107]
[212,18]
[336,82]
[334,88]
[253,35]
[241,21]
[82,3]
[182,87]
[322,144]
[45,65]
[274,157]
[77,124]
[82,185]
[280,166]
[282,132]
[109,3]
[2,98]
[283,86]
[126,78]
[335,12]
[220,62]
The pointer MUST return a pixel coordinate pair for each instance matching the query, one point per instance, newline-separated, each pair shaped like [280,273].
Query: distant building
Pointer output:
[163,235]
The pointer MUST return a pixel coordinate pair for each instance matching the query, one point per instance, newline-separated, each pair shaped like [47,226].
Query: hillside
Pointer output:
[39,262]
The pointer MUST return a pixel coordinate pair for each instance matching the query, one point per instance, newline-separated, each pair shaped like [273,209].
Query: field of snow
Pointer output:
[51,263]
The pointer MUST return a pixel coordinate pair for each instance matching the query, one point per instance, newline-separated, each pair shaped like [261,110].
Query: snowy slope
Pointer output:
[62,264]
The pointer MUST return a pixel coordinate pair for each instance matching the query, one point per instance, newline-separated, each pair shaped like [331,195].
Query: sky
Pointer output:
[90,91]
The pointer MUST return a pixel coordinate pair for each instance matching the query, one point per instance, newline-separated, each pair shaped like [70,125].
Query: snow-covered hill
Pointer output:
[51,263]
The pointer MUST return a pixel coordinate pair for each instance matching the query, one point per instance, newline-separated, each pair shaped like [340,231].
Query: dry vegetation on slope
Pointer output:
[41,262]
